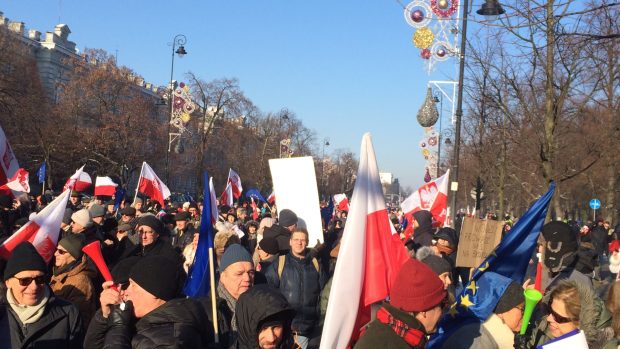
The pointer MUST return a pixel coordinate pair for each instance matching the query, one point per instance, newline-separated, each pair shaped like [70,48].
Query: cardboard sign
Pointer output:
[478,238]
[294,185]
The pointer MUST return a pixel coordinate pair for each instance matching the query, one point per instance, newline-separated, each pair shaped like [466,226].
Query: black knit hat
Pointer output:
[233,254]
[157,275]
[269,245]
[24,257]
[512,297]
[73,243]
[153,223]
[182,216]
[128,211]
[437,264]
[120,272]
[287,218]
[448,234]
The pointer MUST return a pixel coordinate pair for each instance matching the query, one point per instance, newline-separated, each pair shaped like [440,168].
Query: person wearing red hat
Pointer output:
[416,303]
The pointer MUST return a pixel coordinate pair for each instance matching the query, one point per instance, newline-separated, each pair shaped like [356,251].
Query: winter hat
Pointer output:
[120,272]
[24,257]
[128,211]
[264,223]
[75,194]
[233,254]
[110,202]
[287,218]
[82,217]
[449,235]
[137,201]
[424,219]
[123,227]
[66,218]
[73,243]
[512,297]
[153,223]
[157,275]
[416,288]
[96,210]
[560,245]
[182,216]
[186,205]
[437,264]
[269,245]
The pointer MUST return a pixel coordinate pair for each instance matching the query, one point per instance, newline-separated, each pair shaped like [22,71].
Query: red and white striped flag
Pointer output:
[271,199]
[151,185]
[8,161]
[432,197]
[227,196]
[80,181]
[42,230]
[17,184]
[214,212]
[105,186]
[370,257]
[235,181]
[341,202]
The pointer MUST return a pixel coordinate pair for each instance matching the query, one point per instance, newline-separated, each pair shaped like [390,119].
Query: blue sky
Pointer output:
[344,67]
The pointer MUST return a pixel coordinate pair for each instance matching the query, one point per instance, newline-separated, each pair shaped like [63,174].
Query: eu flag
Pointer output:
[327,212]
[118,197]
[508,262]
[255,193]
[198,282]
[41,173]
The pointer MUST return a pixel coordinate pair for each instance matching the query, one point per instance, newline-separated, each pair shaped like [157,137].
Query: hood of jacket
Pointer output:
[177,311]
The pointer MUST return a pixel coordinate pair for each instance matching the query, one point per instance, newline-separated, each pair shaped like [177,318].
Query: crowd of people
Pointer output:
[272,289]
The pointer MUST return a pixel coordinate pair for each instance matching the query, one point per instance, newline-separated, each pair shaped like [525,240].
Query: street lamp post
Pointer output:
[325,144]
[179,40]
[491,8]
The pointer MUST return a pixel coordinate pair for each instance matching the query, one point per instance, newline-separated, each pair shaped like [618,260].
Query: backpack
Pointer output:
[282,259]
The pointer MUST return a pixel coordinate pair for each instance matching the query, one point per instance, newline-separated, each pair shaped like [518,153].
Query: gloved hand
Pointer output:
[121,315]
[521,341]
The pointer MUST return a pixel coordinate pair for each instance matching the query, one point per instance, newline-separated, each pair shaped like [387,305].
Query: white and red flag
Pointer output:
[227,196]
[8,161]
[105,186]
[42,230]
[254,209]
[271,199]
[17,184]
[151,185]
[432,197]
[235,181]
[80,181]
[341,201]
[214,212]
[369,259]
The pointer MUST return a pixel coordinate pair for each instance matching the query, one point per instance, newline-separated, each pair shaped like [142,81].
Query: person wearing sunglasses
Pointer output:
[30,314]
[569,307]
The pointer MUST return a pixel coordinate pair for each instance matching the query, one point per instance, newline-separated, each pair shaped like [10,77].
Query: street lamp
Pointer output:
[325,144]
[179,40]
[489,8]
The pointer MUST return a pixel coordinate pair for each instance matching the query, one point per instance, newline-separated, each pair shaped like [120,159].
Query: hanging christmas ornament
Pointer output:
[422,144]
[426,153]
[423,38]
[432,141]
[427,176]
[425,54]
[442,50]
[446,10]
[428,114]
[418,14]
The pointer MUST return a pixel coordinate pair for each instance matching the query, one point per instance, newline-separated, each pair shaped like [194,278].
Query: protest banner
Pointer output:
[478,238]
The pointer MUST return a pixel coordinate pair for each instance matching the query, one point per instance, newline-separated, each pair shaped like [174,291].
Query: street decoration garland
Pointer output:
[182,107]
[444,8]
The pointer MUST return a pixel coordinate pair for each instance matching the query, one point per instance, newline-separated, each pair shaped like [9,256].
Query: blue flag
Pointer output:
[507,263]
[255,194]
[118,197]
[198,282]
[327,212]
[41,173]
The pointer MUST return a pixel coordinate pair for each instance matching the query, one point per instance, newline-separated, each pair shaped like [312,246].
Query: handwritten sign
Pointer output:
[478,238]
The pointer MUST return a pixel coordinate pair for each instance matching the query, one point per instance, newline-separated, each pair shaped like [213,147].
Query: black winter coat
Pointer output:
[59,327]
[179,323]
[224,318]
[599,239]
[382,335]
[282,236]
[301,285]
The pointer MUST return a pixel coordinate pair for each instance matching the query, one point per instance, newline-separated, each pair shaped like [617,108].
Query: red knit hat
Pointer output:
[417,288]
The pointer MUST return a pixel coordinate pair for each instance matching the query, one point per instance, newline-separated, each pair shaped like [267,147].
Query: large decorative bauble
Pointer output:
[425,54]
[444,10]
[428,114]
[423,38]
[443,4]
[418,14]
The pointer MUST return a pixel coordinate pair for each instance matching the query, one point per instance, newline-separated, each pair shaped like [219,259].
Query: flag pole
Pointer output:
[213,291]
[138,186]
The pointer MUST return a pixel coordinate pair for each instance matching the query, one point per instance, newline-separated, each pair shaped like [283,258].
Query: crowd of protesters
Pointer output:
[272,289]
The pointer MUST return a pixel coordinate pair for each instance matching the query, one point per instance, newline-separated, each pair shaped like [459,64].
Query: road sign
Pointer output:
[472,193]
[595,204]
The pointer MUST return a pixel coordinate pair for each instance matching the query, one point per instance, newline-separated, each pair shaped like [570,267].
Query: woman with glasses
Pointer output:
[31,316]
[571,307]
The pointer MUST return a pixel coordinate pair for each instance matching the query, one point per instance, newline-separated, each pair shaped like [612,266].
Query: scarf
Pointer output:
[28,314]
[66,268]
[232,304]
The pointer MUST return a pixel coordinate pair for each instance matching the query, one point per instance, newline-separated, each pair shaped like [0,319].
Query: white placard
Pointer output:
[294,185]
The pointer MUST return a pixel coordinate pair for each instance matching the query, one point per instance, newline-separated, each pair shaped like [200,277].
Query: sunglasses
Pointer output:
[557,317]
[39,280]
[61,252]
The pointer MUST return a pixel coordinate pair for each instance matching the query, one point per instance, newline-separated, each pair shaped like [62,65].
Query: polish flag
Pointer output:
[17,185]
[214,213]
[8,161]
[42,230]
[271,198]
[370,257]
[227,196]
[151,185]
[105,186]
[235,181]
[341,202]
[80,181]
[254,210]
[432,197]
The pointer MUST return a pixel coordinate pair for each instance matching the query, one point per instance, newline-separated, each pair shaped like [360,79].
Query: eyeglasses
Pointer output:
[557,317]
[39,280]
[61,252]
[145,232]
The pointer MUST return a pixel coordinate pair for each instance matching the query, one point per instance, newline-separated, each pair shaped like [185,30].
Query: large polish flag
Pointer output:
[80,181]
[432,197]
[42,230]
[151,185]
[370,257]
[17,184]
[105,186]
[227,196]
[8,161]
[235,181]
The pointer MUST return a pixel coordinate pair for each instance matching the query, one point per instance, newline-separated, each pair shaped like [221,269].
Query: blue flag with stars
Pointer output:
[507,263]
[254,193]
[41,173]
